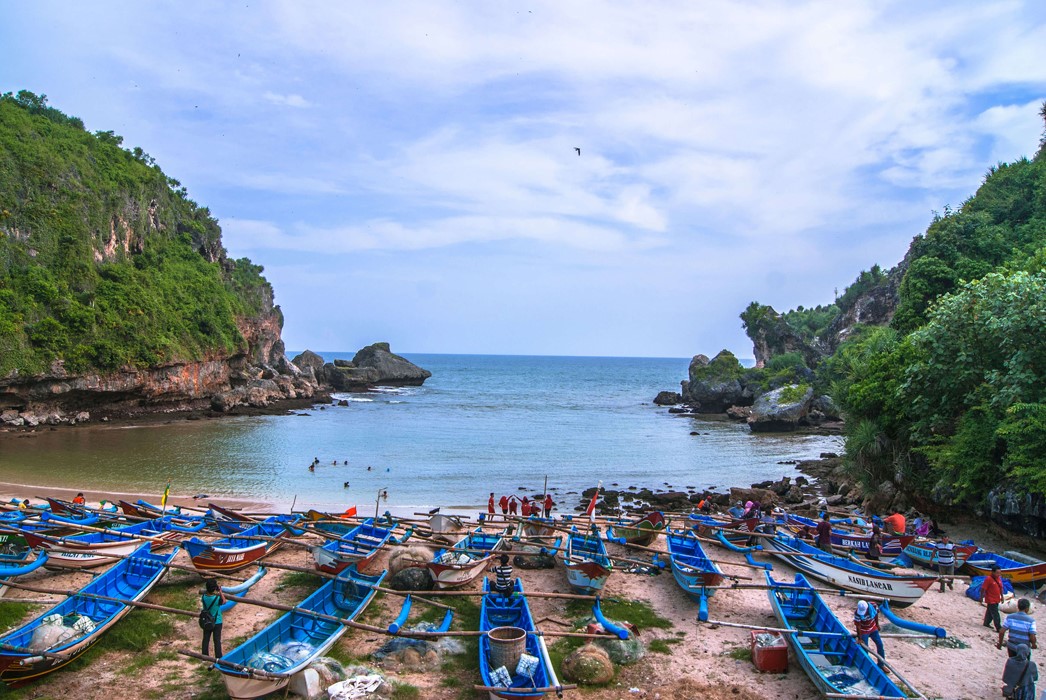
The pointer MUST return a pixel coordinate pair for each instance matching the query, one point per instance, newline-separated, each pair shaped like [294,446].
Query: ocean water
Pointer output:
[480,424]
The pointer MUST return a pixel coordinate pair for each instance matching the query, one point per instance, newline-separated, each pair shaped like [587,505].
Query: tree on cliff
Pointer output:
[105,262]
[950,399]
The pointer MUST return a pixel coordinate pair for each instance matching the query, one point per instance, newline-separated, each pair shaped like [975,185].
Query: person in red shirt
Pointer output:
[490,504]
[79,500]
[548,505]
[504,505]
[524,507]
[824,533]
[512,505]
[991,596]
[866,623]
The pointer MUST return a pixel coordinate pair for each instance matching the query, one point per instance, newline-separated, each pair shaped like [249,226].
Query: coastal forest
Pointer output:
[939,364]
[105,262]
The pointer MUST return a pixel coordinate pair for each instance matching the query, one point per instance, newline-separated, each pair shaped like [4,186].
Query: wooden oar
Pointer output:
[97,596]
[176,567]
[379,630]
[714,561]
[390,591]
[87,528]
[809,633]
[522,690]
[33,652]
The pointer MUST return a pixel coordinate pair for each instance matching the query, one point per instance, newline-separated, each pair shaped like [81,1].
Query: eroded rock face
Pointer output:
[1016,510]
[391,368]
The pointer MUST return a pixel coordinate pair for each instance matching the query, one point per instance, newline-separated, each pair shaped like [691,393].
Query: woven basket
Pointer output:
[507,644]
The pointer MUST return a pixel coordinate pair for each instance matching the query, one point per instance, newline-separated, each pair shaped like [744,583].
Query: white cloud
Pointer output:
[290,100]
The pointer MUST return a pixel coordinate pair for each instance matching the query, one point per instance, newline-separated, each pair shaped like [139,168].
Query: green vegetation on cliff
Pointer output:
[949,400]
[105,262]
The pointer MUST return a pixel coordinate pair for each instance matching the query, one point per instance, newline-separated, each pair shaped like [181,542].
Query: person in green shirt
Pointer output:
[212,602]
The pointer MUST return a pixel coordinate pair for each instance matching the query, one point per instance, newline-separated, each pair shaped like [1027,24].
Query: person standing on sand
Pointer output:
[866,623]
[1019,675]
[212,602]
[524,507]
[1021,627]
[503,502]
[875,545]
[548,505]
[944,555]
[512,505]
[824,534]
[490,504]
[991,596]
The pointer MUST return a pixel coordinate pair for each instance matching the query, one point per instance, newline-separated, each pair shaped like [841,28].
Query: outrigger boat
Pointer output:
[465,561]
[297,638]
[235,552]
[33,650]
[642,531]
[15,565]
[586,561]
[836,663]
[1030,571]
[900,590]
[537,527]
[851,540]
[922,552]
[93,549]
[732,529]
[692,569]
[497,610]
[358,547]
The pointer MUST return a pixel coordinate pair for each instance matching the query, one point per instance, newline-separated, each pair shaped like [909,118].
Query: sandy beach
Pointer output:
[701,662]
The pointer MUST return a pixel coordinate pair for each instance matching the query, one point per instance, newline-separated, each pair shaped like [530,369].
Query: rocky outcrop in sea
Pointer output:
[372,366]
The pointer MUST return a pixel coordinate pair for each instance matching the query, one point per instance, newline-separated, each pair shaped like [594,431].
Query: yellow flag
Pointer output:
[166,493]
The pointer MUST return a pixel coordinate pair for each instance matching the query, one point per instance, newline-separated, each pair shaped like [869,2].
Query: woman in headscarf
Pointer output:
[1019,675]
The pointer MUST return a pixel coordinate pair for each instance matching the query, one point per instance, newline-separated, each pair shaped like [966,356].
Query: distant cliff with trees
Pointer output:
[937,365]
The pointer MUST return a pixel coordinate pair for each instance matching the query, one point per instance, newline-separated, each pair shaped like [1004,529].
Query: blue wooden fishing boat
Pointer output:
[1027,570]
[586,561]
[693,570]
[63,633]
[297,638]
[923,552]
[846,573]
[499,611]
[466,560]
[822,644]
[359,547]
[237,551]
[849,540]
[98,548]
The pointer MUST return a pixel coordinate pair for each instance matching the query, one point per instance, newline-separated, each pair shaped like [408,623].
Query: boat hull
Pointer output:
[922,554]
[294,640]
[980,564]
[130,579]
[799,607]
[513,611]
[448,572]
[642,532]
[843,573]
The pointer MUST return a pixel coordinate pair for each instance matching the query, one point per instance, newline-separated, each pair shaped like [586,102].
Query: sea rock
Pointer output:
[781,410]
[588,665]
[668,398]
[739,412]
[391,368]
[412,579]
[714,385]
[764,497]
[309,361]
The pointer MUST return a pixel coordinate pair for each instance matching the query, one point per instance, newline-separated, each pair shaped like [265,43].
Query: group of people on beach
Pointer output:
[1020,673]
[510,505]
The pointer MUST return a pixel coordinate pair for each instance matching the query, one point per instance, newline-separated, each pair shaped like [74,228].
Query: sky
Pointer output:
[409,171]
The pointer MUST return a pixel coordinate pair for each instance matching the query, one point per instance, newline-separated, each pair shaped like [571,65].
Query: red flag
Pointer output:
[349,513]
[592,504]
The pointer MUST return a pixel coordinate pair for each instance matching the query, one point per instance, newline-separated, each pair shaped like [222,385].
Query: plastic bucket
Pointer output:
[507,644]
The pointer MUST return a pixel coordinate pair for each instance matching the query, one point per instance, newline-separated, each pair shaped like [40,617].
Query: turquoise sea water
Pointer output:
[480,424]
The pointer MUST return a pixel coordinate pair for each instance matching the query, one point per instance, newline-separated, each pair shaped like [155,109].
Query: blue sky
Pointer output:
[406,171]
